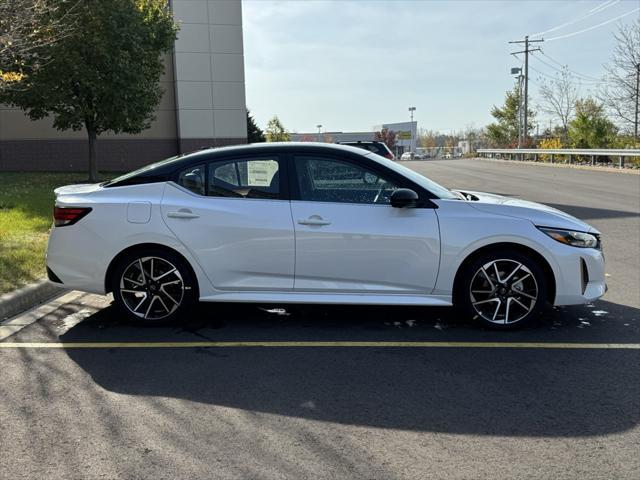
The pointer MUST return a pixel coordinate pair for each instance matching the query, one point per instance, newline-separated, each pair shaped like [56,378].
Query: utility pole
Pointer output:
[637,99]
[318,127]
[526,52]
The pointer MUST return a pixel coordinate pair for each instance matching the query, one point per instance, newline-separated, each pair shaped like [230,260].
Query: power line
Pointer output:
[552,77]
[593,11]
[572,34]
[579,76]
[567,67]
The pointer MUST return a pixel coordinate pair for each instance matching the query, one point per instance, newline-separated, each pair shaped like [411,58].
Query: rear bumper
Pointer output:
[75,259]
[53,277]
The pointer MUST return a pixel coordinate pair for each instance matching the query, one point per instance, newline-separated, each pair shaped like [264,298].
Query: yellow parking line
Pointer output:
[267,344]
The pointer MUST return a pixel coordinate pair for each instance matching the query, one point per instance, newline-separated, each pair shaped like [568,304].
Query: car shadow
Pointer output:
[582,212]
[590,213]
[481,391]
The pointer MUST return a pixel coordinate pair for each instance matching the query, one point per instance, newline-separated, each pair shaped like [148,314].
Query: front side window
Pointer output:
[332,180]
[193,179]
[245,178]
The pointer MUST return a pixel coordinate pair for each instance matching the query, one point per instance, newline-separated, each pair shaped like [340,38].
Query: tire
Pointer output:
[502,290]
[153,286]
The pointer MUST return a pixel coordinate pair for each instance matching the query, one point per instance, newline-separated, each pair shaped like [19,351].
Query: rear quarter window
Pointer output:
[192,179]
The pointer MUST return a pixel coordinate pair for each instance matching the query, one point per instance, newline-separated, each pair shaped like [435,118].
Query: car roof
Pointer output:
[266,146]
[164,168]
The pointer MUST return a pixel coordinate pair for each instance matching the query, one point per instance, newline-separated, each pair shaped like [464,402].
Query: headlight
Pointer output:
[570,237]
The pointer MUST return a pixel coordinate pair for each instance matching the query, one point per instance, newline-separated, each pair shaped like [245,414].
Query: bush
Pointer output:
[550,143]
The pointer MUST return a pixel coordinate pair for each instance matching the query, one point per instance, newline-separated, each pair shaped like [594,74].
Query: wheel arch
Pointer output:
[525,250]
[144,247]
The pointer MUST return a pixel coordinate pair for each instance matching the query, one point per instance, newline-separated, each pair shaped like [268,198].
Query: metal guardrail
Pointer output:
[569,153]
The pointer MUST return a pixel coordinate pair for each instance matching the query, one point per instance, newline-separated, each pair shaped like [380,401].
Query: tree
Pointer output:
[591,128]
[105,75]
[427,139]
[27,27]
[276,132]
[254,132]
[559,97]
[620,91]
[477,137]
[386,136]
[504,132]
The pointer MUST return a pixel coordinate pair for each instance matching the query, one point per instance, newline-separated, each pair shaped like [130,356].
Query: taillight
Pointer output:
[63,216]
[389,155]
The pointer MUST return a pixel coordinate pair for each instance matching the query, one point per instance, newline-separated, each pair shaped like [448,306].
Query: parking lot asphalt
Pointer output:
[343,410]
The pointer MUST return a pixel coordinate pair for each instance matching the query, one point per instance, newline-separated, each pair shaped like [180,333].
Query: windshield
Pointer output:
[144,169]
[435,188]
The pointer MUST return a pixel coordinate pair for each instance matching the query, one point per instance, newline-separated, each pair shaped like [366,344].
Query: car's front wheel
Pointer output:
[503,289]
[153,287]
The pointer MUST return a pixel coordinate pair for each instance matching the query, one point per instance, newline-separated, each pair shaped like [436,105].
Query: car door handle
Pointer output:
[183,213]
[314,220]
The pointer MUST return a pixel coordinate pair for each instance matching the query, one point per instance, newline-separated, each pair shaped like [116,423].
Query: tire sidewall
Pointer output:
[190,294]
[464,300]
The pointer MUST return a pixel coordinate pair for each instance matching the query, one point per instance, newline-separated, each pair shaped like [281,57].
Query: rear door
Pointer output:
[234,216]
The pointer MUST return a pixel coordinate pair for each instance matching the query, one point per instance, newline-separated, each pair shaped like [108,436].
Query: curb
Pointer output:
[24,298]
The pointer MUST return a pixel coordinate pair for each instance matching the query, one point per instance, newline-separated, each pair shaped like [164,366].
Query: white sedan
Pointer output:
[315,223]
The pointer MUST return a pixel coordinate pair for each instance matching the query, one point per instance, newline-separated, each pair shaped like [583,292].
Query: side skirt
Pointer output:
[329,298]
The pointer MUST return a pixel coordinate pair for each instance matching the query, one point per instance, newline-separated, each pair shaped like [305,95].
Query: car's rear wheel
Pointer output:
[503,289]
[153,287]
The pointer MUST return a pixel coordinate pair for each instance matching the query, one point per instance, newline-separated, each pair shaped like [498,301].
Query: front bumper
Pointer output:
[583,277]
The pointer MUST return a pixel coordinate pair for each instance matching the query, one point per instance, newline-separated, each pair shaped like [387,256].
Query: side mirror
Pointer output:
[404,198]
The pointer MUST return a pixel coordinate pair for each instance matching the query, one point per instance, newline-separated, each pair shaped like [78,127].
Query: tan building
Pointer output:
[203,105]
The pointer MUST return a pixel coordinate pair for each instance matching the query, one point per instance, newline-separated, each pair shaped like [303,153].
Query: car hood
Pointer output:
[537,213]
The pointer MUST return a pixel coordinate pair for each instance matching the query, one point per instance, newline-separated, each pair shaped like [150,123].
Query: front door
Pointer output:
[350,239]
[234,216]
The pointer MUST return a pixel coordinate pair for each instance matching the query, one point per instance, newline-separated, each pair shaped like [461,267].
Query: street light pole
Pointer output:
[319,127]
[411,143]
[517,70]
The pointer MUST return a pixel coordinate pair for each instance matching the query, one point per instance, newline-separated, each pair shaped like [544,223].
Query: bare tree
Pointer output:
[620,91]
[558,98]
[27,27]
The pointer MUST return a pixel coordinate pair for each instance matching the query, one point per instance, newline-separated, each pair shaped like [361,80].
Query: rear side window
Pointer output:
[193,179]
[245,178]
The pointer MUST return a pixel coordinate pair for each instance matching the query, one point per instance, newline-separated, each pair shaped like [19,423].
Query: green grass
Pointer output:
[26,204]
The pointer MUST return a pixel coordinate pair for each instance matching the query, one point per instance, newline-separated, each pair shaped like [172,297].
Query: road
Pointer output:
[362,412]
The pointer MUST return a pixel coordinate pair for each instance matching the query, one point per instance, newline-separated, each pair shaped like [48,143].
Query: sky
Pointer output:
[352,64]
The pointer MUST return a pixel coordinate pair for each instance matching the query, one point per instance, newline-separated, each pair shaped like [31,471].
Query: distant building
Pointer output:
[464,147]
[332,137]
[203,105]
[403,134]
[402,130]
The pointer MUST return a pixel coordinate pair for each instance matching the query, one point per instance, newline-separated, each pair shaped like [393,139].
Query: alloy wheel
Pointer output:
[151,288]
[503,291]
